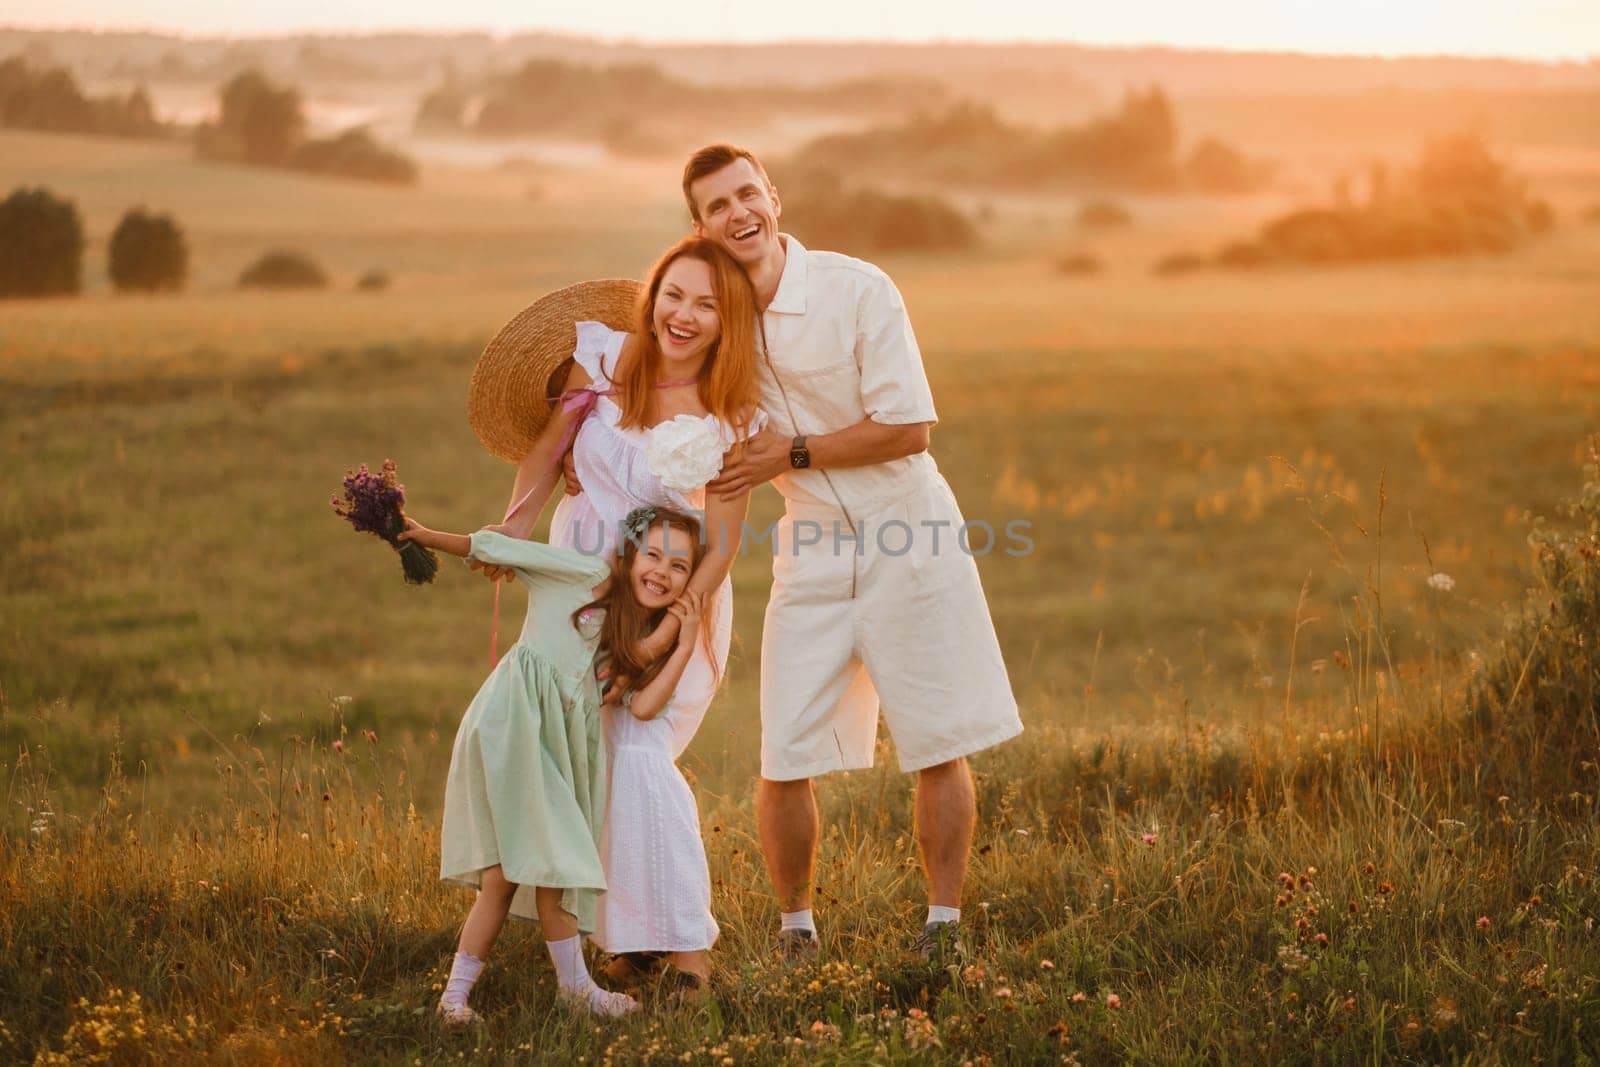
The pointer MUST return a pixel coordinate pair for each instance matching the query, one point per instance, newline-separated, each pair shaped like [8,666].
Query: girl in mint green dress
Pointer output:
[526,793]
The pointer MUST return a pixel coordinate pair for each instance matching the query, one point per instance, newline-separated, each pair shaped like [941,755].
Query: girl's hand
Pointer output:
[414,531]
[688,609]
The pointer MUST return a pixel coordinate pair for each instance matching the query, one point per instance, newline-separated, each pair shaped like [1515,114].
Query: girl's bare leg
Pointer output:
[488,914]
[478,935]
[566,952]
[559,924]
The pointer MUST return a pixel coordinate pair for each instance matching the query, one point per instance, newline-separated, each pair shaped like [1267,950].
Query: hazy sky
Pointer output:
[1538,28]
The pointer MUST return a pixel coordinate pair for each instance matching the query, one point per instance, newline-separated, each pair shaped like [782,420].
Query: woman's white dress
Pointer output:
[658,887]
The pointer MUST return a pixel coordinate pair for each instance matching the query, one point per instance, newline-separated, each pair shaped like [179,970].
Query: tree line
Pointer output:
[1134,146]
[258,123]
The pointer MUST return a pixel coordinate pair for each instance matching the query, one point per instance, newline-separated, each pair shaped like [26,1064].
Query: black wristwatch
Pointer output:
[799,454]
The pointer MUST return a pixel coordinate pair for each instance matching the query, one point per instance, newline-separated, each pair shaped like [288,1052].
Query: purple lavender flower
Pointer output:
[375,504]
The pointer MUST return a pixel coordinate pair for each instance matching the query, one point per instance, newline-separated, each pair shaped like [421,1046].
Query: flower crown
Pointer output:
[638,521]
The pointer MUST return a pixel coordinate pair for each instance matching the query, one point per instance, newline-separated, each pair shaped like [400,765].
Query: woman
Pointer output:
[687,372]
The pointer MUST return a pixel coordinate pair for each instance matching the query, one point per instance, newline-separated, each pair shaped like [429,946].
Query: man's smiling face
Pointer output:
[739,211]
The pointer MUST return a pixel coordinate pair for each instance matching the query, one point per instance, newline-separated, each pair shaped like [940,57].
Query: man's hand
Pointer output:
[569,475]
[766,455]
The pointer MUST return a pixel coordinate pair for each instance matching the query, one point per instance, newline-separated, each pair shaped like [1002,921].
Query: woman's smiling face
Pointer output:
[685,316]
[662,567]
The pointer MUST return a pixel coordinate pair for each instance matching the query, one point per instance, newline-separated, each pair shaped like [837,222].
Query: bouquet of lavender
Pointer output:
[375,503]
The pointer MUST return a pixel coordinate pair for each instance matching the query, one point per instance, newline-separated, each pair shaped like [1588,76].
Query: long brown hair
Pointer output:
[627,622]
[728,385]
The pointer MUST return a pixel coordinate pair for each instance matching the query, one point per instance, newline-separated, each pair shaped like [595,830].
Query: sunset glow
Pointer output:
[1550,29]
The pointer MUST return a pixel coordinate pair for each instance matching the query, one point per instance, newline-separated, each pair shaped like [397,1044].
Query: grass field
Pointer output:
[1225,638]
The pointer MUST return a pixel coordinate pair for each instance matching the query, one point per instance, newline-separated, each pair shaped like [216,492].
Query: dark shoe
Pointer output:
[940,944]
[682,988]
[796,947]
[630,968]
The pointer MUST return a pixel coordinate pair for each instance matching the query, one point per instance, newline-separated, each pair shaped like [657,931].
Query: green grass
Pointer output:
[1224,638]
[173,560]
[188,628]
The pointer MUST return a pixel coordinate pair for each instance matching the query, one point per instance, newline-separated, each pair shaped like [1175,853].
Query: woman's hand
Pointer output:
[489,570]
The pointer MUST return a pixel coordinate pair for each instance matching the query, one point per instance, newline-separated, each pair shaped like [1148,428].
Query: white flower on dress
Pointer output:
[684,452]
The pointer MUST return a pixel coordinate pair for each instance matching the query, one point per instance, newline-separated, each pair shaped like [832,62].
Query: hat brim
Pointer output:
[510,397]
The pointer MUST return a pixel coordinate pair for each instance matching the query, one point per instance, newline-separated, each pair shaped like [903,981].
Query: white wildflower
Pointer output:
[1441,581]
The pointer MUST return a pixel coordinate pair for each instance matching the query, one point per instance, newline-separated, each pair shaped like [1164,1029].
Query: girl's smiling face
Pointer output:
[662,567]
[685,313]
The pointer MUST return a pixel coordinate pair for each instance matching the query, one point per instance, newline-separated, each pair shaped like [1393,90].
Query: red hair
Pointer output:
[728,385]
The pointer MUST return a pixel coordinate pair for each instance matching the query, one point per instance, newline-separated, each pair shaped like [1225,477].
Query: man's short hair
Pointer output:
[709,160]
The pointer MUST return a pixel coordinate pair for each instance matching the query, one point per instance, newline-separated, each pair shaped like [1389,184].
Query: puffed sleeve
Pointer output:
[894,385]
[591,353]
[731,437]
[536,562]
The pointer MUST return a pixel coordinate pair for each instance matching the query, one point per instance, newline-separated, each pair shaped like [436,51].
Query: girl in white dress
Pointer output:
[653,412]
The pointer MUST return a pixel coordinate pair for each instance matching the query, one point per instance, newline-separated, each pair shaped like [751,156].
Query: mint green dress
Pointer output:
[527,782]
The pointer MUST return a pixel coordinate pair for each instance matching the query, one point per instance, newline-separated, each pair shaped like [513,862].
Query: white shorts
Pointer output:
[902,623]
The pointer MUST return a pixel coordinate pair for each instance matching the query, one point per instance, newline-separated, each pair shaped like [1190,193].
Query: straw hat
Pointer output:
[524,367]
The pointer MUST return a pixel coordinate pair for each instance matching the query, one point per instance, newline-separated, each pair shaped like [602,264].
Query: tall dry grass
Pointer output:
[1415,885]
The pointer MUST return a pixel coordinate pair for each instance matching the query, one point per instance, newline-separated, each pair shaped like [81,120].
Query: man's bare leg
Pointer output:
[786,814]
[946,813]
[786,817]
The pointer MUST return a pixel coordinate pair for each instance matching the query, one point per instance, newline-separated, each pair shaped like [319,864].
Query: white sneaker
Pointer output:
[456,1014]
[597,1001]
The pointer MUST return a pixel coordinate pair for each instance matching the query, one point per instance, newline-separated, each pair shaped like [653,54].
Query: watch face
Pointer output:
[799,459]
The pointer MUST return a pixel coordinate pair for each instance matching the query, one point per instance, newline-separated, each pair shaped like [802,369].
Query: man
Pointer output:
[875,598]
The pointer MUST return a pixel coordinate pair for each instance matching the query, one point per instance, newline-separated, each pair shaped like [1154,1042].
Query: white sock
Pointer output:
[573,976]
[463,973]
[938,913]
[797,920]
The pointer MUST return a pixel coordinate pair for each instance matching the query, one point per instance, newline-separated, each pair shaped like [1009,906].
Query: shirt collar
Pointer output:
[790,299]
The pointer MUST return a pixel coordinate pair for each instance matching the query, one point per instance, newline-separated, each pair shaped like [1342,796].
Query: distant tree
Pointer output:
[262,123]
[354,154]
[1179,263]
[867,221]
[283,269]
[258,122]
[148,252]
[49,98]
[41,244]
[444,108]
[1217,167]
[1134,146]
[374,280]
[1103,214]
[1458,199]
[1079,263]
